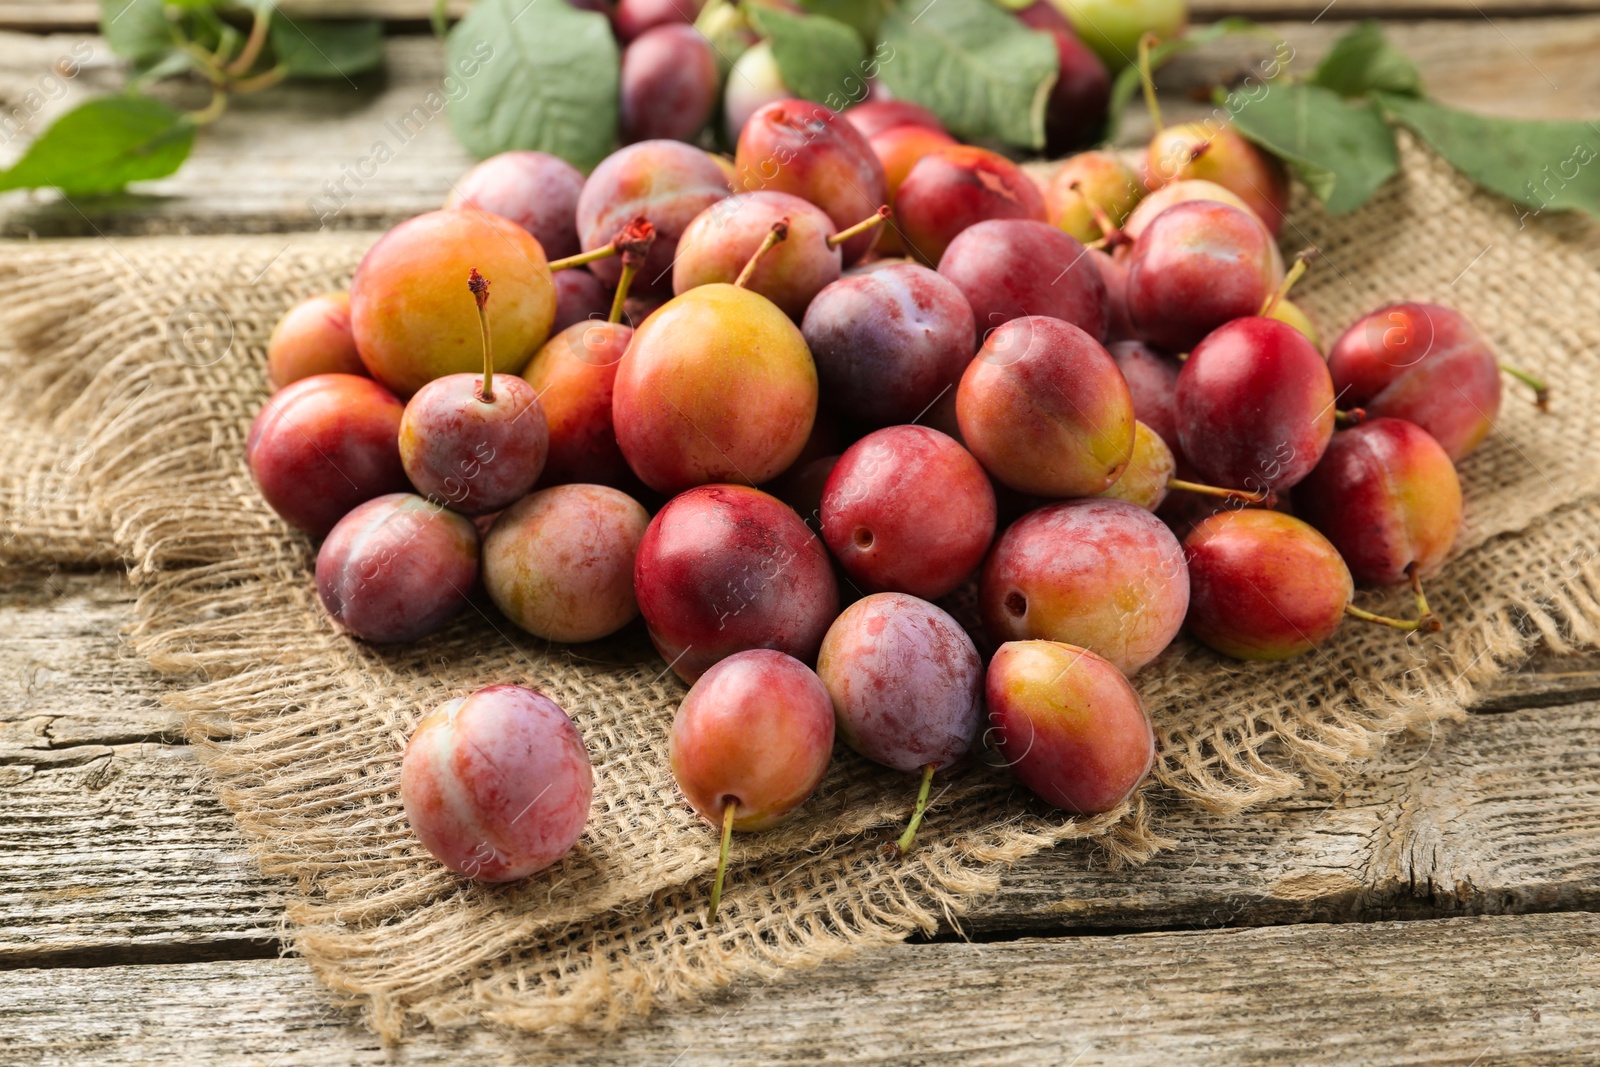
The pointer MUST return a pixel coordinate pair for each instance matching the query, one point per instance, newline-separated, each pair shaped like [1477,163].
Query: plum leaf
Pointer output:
[102,145]
[326,49]
[1363,61]
[819,58]
[1341,149]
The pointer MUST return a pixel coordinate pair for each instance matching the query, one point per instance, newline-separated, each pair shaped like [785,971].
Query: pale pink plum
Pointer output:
[633,18]
[802,148]
[323,445]
[397,568]
[535,190]
[579,297]
[574,374]
[415,321]
[1255,405]
[953,188]
[1180,192]
[906,682]
[1009,268]
[1045,409]
[1387,496]
[872,117]
[753,82]
[559,562]
[801,488]
[666,182]
[1198,265]
[756,731]
[722,238]
[1424,363]
[1069,724]
[1264,585]
[470,454]
[1144,480]
[313,337]
[724,568]
[1098,178]
[908,509]
[1199,151]
[669,84]
[497,785]
[716,386]
[1103,574]
[889,342]
[1153,383]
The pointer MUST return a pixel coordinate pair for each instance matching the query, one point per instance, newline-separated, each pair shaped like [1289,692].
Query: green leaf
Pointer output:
[985,74]
[1554,165]
[326,49]
[819,59]
[533,76]
[102,145]
[1341,149]
[1363,61]
[136,29]
[1127,80]
[863,16]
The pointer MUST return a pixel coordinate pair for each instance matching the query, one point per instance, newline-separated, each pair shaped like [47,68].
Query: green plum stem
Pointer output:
[1301,262]
[904,844]
[728,808]
[1148,81]
[253,45]
[629,269]
[1351,417]
[877,218]
[779,232]
[603,252]
[1426,621]
[1265,497]
[478,286]
[1541,388]
[1111,234]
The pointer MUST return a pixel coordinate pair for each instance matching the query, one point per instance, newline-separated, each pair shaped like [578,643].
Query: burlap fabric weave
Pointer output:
[133,368]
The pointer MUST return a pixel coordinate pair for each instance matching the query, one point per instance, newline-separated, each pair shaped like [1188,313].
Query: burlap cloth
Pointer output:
[133,368]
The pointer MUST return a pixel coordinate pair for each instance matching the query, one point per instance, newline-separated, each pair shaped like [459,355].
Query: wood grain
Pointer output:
[1486,991]
[303,157]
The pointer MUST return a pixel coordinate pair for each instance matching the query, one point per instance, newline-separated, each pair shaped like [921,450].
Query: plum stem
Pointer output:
[1301,262]
[603,252]
[1352,417]
[635,237]
[628,271]
[252,46]
[904,844]
[1111,234]
[1148,81]
[1541,388]
[1264,497]
[877,218]
[633,242]
[1425,621]
[478,286]
[728,808]
[779,232]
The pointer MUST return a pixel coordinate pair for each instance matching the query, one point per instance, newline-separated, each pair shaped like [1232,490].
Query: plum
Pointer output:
[535,190]
[665,182]
[1069,725]
[1388,497]
[753,82]
[559,563]
[397,568]
[579,297]
[889,342]
[1151,467]
[1424,363]
[1178,193]
[1114,28]
[669,84]
[497,785]
[805,149]
[1103,574]
[1287,311]
[1045,409]
[313,337]
[953,188]
[633,18]
[1152,382]
[1114,272]
[1255,405]
[1198,265]
[413,324]
[907,687]
[724,568]
[1200,151]
[1087,181]
[750,743]
[1009,268]
[873,117]
[1076,109]
[715,386]
[574,374]
[908,509]
[324,444]
[899,148]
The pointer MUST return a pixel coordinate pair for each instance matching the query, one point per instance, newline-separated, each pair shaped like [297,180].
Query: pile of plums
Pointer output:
[781,405]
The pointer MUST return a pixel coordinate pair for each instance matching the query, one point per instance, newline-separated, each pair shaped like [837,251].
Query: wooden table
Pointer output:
[1442,909]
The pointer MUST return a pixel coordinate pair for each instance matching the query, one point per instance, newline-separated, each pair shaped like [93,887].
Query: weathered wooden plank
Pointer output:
[302,157]
[112,847]
[1460,991]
